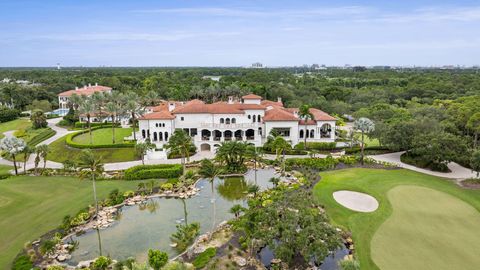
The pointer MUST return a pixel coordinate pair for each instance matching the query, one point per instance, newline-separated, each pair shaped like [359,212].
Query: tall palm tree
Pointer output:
[98,100]
[13,146]
[74,101]
[281,146]
[87,108]
[210,171]
[365,126]
[43,152]
[150,99]
[143,147]
[180,143]
[305,114]
[92,167]
[112,109]
[233,154]
[132,107]
[27,151]
[255,154]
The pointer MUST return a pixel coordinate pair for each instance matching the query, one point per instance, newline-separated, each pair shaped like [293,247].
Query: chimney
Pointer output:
[279,99]
[230,99]
[89,85]
[171,106]
[96,84]
[84,87]
[76,87]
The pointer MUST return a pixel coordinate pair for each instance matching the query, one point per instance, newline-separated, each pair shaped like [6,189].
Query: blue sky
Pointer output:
[238,33]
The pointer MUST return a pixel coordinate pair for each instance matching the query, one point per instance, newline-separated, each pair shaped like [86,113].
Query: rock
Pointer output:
[275,261]
[349,240]
[61,258]
[240,261]
[199,249]
[203,238]
[84,264]
[173,245]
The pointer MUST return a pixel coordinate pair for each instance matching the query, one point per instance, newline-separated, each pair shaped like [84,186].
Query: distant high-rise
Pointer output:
[58,66]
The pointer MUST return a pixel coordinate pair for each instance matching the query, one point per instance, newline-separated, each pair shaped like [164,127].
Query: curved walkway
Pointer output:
[457,171]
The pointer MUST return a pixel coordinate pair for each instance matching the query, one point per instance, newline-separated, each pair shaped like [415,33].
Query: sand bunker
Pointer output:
[356,201]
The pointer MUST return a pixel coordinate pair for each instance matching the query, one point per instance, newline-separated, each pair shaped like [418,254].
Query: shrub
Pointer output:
[20,133]
[167,186]
[101,263]
[157,259]
[42,136]
[7,114]
[349,265]
[103,125]
[128,194]
[55,267]
[63,123]
[418,161]
[369,150]
[315,163]
[317,145]
[22,263]
[153,171]
[203,258]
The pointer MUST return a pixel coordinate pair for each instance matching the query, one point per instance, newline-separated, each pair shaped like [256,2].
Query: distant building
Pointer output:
[64,97]
[257,65]
[213,78]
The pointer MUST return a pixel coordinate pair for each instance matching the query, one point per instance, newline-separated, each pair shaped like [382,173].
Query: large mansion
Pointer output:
[250,119]
[87,90]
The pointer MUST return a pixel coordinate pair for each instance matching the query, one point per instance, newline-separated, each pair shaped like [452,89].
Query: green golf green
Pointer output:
[427,230]
[422,222]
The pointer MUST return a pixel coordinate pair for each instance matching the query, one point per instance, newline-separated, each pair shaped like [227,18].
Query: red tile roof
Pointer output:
[271,103]
[320,115]
[85,91]
[279,114]
[158,115]
[251,96]
[217,108]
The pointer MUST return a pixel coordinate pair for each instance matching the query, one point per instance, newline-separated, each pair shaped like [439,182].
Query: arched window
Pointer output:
[312,133]
[143,133]
[254,119]
[222,121]
[258,118]
[166,136]
[301,133]
[234,120]
[249,116]
[160,136]
[227,121]
[155,136]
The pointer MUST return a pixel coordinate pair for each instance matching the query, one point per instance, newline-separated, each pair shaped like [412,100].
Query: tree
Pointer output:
[253,189]
[43,105]
[365,126]
[37,159]
[274,181]
[157,259]
[91,167]
[39,120]
[27,151]
[142,148]
[86,107]
[42,150]
[180,143]
[305,114]
[74,101]
[112,110]
[474,125]
[13,146]
[233,155]
[210,171]
[134,109]
[98,100]
[236,210]
[254,153]
[475,162]
[280,145]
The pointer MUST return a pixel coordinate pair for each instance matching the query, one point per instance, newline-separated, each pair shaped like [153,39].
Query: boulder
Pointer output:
[240,261]
[84,264]
[61,258]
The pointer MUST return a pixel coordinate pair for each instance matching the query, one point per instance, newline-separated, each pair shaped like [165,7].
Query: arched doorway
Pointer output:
[205,147]
[250,133]
[325,131]
[228,134]
[238,135]
[206,134]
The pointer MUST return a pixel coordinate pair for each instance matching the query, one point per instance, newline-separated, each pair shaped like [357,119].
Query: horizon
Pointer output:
[238,33]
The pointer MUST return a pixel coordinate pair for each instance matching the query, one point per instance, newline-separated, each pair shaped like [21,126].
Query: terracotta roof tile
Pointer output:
[158,115]
[85,91]
[320,115]
[279,114]
[251,96]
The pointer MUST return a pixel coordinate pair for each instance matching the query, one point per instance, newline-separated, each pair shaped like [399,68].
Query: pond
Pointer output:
[149,225]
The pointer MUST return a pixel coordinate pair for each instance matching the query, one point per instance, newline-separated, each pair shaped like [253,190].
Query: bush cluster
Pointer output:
[85,125]
[321,164]
[69,141]
[7,114]
[203,258]
[369,150]
[153,171]
[317,145]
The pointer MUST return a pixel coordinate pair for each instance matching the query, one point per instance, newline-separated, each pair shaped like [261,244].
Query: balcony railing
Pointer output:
[228,126]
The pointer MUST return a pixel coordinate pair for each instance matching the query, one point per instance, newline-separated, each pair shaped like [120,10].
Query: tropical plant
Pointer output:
[274,181]
[101,263]
[280,145]
[13,146]
[43,152]
[134,109]
[349,265]
[305,114]
[157,259]
[233,155]
[98,100]
[112,109]
[87,108]
[74,101]
[180,143]
[253,189]
[236,210]
[27,151]
[210,171]
[39,120]
[91,167]
[185,235]
[256,154]
[365,126]
[142,148]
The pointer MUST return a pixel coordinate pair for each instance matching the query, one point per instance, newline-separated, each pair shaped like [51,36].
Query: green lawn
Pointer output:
[60,151]
[103,136]
[31,206]
[14,125]
[432,215]
[4,169]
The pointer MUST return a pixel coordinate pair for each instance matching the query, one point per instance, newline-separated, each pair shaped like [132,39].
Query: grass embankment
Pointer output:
[103,136]
[31,206]
[423,222]
[60,152]
[17,124]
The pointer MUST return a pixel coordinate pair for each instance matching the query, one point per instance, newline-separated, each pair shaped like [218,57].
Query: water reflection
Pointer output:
[149,225]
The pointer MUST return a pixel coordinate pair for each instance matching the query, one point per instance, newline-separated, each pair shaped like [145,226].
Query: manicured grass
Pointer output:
[4,169]
[441,232]
[14,125]
[103,136]
[31,206]
[377,183]
[60,151]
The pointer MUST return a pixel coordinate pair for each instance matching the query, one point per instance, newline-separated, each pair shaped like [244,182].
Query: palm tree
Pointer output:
[13,146]
[37,158]
[236,210]
[253,189]
[274,181]
[27,151]
[255,154]
[233,155]
[92,167]
[150,99]
[281,146]
[43,152]
[210,171]
[112,110]
[134,109]
[98,100]
[87,107]
[305,114]
[151,185]
[366,126]
[180,143]
[143,148]
[75,101]
[474,125]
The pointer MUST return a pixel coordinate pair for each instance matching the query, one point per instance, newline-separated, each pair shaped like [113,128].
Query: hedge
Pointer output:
[321,164]
[84,125]
[69,141]
[7,114]
[42,136]
[203,258]
[317,145]
[153,171]
[354,150]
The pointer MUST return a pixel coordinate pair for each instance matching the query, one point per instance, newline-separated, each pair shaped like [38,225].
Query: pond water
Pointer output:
[146,226]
